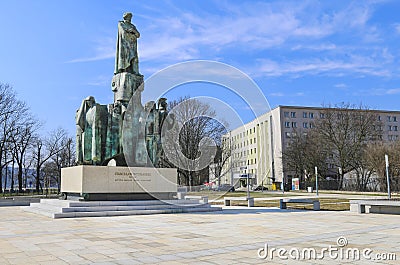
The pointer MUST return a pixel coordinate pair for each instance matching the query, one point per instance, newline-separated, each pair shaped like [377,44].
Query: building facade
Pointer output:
[257,147]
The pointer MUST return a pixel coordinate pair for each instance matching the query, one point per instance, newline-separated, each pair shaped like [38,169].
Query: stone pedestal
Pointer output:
[119,183]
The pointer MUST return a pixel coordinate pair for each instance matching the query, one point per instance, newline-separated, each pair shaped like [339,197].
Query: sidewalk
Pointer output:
[230,237]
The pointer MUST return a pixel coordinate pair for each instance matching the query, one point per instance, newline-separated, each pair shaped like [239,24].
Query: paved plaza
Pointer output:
[233,236]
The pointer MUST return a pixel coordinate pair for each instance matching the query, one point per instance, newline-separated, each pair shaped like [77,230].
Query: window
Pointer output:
[251,141]
[390,127]
[254,141]
[379,118]
[311,115]
[293,114]
[311,125]
[286,114]
[251,151]
[304,114]
[255,150]
[255,161]
[389,118]
[394,118]
[287,124]
[322,115]
[395,128]
[305,125]
[294,124]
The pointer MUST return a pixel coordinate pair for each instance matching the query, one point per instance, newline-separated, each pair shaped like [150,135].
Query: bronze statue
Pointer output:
[124,131]
[126,59]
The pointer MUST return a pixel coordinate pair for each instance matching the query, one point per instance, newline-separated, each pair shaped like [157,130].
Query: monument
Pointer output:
[118,146]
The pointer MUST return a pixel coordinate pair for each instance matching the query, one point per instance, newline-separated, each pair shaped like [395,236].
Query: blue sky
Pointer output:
[55,53]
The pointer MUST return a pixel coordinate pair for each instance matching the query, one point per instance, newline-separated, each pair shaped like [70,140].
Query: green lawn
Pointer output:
[326,204]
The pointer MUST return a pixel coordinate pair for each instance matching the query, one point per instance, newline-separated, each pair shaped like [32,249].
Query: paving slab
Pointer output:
[233,236]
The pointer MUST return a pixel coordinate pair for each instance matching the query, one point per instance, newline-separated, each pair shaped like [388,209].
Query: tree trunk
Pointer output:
[12,178]
[340,184]
[59,183]
[1,180]
[37,179]
[20,178]
[5,180]
[1,170]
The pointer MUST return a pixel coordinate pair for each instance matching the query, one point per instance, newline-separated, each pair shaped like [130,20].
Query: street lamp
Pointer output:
[316,180]
[247,179]
[387,175]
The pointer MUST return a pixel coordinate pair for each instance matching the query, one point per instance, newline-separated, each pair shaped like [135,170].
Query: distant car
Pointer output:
[260,188]
[226,187]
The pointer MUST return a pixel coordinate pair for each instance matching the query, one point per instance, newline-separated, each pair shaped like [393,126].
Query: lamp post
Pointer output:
[231,158]
[316,180]
[248,184]
[387,175]
[247,180]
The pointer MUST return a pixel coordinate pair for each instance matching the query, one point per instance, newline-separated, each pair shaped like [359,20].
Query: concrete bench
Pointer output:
[181,193]
[250,201]
[201,199]
[375,206]
[314,202]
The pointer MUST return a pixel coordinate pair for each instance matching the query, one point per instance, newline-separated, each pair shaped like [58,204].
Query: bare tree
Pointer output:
[220,166]
[346,129]
[64,158]
[12,111]
[375,157]
[46,148]
[304,152]
[22,140]
[195,135]
[27,164]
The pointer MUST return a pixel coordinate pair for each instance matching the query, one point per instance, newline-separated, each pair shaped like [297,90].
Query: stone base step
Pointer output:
[71,209]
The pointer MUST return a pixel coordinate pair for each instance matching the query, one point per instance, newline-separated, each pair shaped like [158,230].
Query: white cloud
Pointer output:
[277,94]
[341,85]
[281,94]
[313,47]
[393,91]
[383,91]
[100,80]
[316,66]
[257,28]
[397,27]
[104,48]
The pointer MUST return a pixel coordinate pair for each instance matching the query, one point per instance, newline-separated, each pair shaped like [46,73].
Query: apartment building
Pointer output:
[257,146]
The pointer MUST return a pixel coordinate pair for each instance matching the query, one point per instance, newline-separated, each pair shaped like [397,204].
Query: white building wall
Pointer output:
[263,158]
